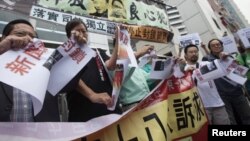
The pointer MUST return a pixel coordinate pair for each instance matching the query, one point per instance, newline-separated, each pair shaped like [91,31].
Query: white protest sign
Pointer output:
[161,69]
[209,71]
[125,50]
[119,76]
[244,35]
[24,70]
[189,39]
[229,44]
[68,60]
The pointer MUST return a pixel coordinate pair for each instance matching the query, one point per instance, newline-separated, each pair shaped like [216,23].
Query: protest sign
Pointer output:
[229,44]
[190,39]
[65,63]
[24,70]
[244,35]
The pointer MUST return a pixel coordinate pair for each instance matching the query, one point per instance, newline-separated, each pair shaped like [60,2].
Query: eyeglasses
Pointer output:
[24,33]
[216,44]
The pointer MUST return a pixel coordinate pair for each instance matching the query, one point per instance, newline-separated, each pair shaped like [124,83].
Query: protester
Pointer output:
[214,106]
[230,92]
[16,105]
[135,88]
[94,95]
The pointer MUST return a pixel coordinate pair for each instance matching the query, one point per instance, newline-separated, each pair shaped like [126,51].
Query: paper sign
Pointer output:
[244,35]
[229,44]
[189,39]
[161,69]
[66,62]
[24,70]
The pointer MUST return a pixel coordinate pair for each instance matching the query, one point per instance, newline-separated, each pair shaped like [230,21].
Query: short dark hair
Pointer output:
[209,46]
[72,24]
[189,46]
[10,26]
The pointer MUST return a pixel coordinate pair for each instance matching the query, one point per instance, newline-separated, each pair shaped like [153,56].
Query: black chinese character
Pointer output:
[197,105]
[91,24]
[52,16]
[162,18]
[133,12]
[39,13]
[183,113]
[150,15]
[111,28]
[67,18]
[100,26]
[77,3]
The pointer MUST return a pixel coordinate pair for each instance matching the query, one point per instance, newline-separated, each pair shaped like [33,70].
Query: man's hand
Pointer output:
[79,37]
[144,50]
[101,98]
[190,68]
[16,42]
[223,55]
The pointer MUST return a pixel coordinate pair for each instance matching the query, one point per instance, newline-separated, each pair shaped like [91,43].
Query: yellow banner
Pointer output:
[181,115]
[148,33]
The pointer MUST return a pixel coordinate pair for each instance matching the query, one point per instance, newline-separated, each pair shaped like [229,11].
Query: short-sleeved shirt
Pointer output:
[135,88]
[81,109]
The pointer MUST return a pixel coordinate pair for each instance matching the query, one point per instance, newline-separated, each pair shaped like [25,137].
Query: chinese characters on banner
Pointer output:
[24,70]
[172,111]
[101,26]
[115,10]
[67,56]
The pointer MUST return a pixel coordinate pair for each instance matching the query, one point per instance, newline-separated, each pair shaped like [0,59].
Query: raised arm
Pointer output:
[111,62]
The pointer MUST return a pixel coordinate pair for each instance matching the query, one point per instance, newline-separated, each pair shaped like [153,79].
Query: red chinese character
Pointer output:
[36,53]
[68,45]
[20,66]
[77,55]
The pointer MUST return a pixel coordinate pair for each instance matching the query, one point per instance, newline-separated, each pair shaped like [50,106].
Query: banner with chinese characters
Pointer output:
[129,11]
[101,26]
[172,111]
[65,63]
[24,70]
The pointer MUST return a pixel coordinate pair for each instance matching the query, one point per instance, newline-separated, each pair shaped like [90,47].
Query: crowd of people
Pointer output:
[89,92]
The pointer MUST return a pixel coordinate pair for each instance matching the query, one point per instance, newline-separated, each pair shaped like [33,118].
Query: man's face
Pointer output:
[118,10]
[22,30]
[216,46]
[82,30]
[192,54]
[100,5]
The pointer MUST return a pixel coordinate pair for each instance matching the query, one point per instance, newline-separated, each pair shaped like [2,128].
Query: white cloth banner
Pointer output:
[24,70]
[66,62]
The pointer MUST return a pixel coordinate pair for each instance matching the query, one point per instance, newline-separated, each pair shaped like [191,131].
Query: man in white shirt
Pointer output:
[214,106]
